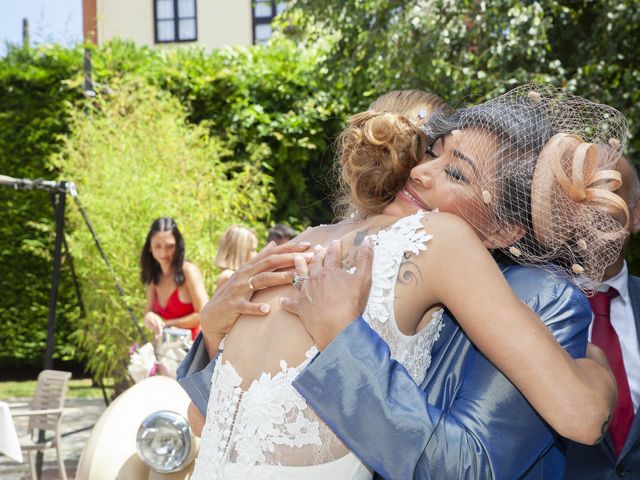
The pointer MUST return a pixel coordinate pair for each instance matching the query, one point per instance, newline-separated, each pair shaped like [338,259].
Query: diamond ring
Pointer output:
[297,280]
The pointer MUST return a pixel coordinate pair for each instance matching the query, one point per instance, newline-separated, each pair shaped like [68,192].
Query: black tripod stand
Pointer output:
[59,192]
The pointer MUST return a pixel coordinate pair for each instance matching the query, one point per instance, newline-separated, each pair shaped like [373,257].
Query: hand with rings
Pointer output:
[233,298]
[297,280]
[302,269]
[330,298]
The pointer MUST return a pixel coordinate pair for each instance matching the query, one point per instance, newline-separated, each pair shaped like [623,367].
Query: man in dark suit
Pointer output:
[617,305]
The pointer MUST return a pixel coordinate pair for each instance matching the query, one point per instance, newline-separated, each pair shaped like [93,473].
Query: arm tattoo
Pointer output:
[409,272]
[360,236]
[348,259]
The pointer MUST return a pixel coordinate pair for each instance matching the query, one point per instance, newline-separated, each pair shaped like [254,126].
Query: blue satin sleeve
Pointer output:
[467,421]
[195,372]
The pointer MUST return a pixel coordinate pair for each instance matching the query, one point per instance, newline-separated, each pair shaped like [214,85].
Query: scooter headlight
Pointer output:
[164,441]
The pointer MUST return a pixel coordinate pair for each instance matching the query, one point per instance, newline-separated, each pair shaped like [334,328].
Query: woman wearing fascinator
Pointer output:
[525,179]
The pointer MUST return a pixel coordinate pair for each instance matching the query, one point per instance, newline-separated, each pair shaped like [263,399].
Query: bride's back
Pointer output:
[257,423]
[258,344]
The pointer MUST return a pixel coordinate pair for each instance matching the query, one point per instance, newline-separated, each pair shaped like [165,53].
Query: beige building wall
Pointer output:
[225,22]
[126,19]
[220,22]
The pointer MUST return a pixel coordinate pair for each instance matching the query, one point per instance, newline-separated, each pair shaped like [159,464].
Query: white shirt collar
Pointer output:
[619,282]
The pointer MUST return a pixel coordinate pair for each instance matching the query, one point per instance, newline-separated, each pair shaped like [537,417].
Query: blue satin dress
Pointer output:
[465,421]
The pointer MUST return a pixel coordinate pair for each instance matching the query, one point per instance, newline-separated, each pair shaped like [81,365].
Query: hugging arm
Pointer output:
[468,422]
[576,399]
[223,309]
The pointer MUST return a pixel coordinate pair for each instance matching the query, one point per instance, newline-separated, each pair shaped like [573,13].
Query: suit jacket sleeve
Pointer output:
[195,372]
[485,430]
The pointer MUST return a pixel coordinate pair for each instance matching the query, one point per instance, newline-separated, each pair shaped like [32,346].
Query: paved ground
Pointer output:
[79,416]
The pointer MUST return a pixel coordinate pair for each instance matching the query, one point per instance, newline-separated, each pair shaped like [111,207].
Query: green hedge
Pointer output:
[265,103]
[272,110]
[468,51]
[134,157]
[34,101]
[260,106]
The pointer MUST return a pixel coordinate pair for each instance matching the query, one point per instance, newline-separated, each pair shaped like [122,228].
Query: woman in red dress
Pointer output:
[175,289]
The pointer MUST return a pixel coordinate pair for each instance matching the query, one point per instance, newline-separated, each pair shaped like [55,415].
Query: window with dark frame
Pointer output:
[264,11]
[175,21]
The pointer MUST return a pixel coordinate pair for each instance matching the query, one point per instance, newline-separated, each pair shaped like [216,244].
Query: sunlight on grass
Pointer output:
[81,388]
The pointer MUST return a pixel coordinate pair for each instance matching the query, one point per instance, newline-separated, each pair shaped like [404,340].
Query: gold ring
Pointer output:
[254,289]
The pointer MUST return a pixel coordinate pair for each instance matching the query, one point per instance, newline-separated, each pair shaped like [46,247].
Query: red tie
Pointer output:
[604,336]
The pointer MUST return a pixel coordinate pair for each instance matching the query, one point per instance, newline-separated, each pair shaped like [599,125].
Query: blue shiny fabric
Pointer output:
[195,372]
[466,420]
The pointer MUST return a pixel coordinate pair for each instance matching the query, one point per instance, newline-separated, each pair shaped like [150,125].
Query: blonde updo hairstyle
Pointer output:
[237,245]
[379,147]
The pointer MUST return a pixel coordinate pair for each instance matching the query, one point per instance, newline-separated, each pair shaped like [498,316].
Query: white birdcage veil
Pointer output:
[548,160]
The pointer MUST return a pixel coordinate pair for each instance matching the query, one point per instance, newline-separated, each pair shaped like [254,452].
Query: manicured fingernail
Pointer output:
[304,244]
[308,254]
[333,242]
[264,308]
[317,248]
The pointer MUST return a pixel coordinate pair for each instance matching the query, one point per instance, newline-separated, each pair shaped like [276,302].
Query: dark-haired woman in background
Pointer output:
[175,289]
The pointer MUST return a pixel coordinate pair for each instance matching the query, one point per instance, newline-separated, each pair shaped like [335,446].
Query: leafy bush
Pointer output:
[265,112]
[468,51]
[134,157]
[34,99]
[265,103]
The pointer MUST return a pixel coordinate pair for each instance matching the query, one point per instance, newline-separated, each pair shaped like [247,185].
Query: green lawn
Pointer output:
[80,388]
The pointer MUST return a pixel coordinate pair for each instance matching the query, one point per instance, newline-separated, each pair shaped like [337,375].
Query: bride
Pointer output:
[258,426]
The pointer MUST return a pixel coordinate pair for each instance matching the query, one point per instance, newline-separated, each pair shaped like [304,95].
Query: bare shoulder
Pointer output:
[318,235]
[190,270]
[451,237]
[448,228]
[324,234]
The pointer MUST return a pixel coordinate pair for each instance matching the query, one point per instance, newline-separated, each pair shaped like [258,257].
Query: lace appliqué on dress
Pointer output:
[269,429]
[412,351]
[271,415]
[268,424]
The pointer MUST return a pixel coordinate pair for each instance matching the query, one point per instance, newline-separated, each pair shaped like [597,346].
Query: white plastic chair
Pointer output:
[45,413]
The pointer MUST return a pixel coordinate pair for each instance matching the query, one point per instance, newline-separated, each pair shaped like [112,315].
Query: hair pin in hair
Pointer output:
[577,269]
[515,251]
[422,114]
[582,244]
[456,132]
[486,197]
[534,96]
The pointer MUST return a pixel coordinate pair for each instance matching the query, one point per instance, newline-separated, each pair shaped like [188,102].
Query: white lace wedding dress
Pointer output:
[268,431]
